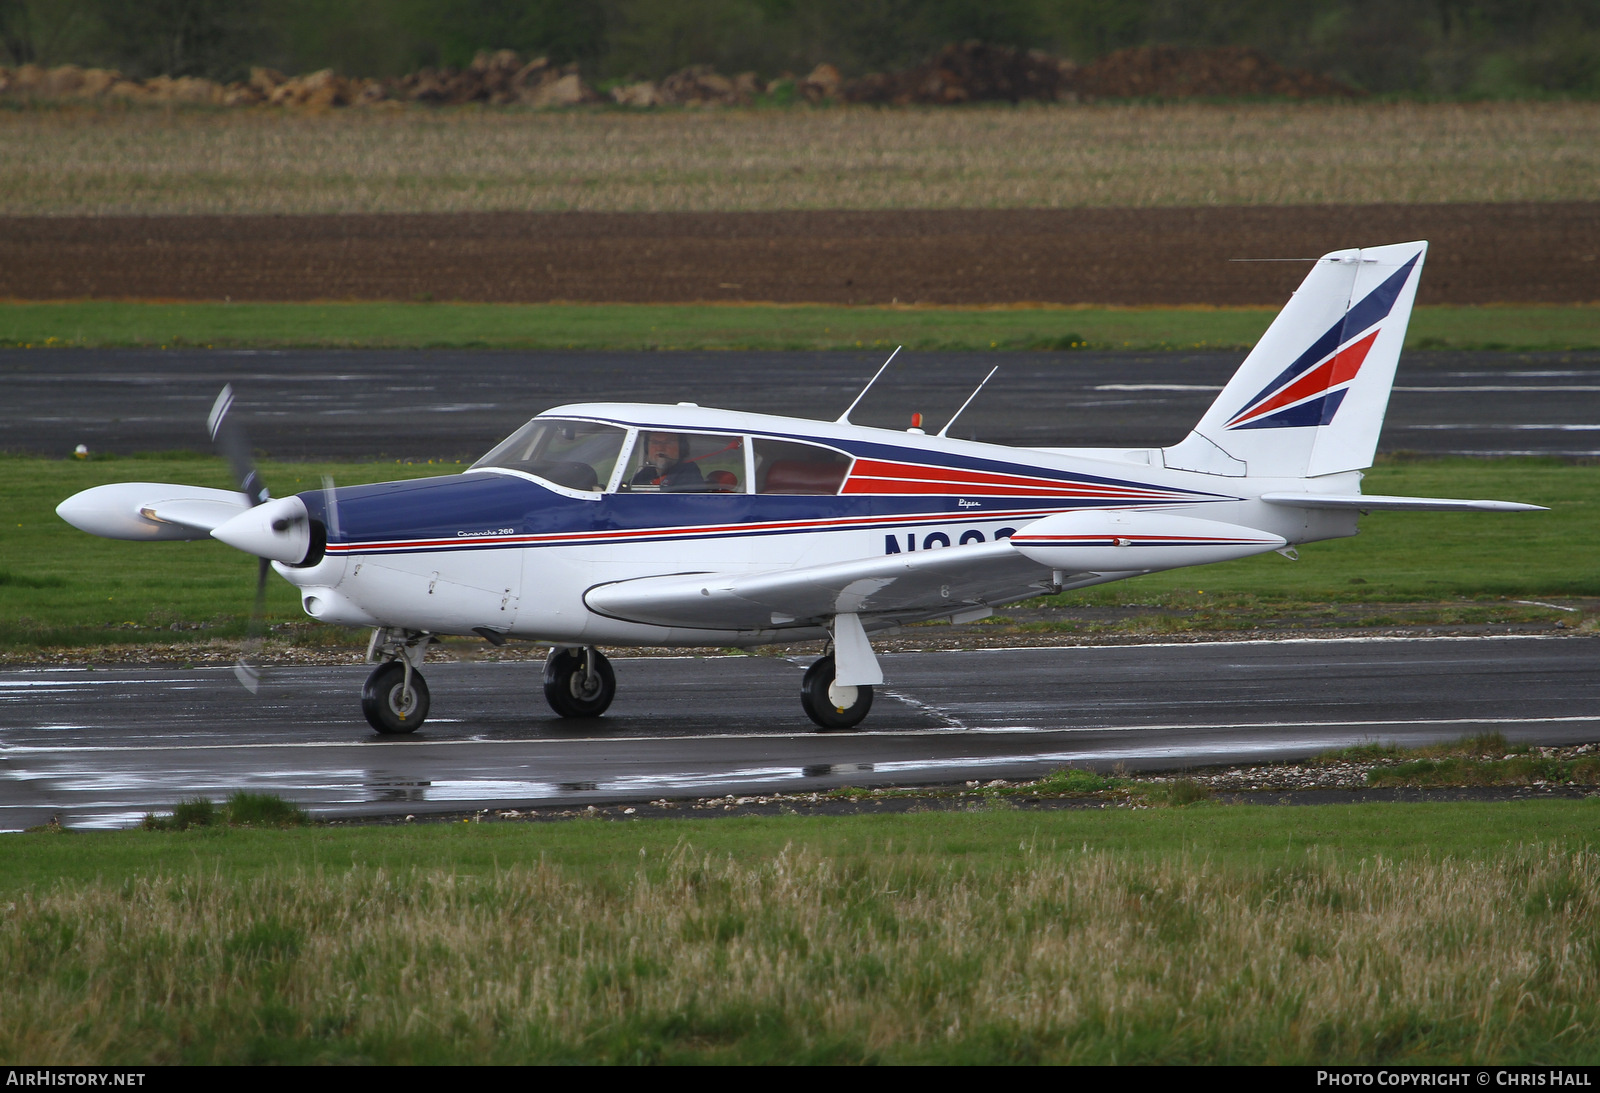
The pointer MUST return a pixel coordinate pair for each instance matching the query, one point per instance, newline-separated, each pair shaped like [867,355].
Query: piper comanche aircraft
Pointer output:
[628,525]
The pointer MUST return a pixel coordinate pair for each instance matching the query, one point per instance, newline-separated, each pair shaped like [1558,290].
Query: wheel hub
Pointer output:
[842,697]
[402,701]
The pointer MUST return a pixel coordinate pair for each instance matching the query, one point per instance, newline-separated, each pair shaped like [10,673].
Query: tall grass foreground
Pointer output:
[1060,956]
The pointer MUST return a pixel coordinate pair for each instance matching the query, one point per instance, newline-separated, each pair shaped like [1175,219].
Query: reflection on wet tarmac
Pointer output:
[712,726]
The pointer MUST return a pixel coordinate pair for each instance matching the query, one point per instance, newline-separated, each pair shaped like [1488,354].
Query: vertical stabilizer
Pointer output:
[1310,398]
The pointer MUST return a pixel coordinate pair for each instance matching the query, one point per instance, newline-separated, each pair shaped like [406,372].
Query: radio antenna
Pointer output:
[844,418]
[970,397]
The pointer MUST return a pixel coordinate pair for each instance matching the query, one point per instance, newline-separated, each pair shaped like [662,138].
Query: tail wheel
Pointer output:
[831,706]
[391,707]
[571,689]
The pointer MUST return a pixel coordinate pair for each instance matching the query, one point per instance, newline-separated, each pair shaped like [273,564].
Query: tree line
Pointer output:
[1449,48]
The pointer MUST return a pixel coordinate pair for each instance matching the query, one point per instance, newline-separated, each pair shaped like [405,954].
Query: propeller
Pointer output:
[228,438]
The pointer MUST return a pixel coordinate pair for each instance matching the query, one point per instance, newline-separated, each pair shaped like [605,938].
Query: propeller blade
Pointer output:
[333,508]
[248,671]
[248,675]
[228,437]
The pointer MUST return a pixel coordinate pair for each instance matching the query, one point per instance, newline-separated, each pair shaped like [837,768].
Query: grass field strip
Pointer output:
[132,162]
[243,329]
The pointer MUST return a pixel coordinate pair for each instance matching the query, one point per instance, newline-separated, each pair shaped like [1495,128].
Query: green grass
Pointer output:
[1487,759]
[62,588]
[1334,934]
[1520,770]
[1423,557]
[753,327]
[242,809]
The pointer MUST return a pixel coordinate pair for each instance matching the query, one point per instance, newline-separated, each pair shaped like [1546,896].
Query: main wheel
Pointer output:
[388,707]
[568,688]
[830,705]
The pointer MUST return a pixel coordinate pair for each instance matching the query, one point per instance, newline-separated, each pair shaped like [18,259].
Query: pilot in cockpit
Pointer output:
[667,465]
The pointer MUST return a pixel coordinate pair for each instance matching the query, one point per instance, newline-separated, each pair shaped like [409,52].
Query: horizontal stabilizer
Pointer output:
[151,510]
[1377,502]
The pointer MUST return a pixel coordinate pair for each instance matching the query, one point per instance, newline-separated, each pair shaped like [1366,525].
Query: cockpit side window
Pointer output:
[786,466]
[669,461]
[579,455]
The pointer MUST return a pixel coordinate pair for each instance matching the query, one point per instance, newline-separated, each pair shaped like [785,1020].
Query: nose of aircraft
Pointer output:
[279,530]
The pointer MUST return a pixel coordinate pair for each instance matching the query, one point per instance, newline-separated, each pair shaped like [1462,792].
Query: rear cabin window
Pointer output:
[667,461]
[579,455]
[785,466]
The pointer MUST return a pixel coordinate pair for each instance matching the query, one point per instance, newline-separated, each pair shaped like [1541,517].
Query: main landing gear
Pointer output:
[831,706]
[578,682]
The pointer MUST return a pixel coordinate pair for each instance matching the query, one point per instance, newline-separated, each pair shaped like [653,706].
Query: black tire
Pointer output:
[567,688]
[381,699]
[828,715]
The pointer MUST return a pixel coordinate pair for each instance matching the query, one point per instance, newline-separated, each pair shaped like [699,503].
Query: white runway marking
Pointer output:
[1493,387]
[1157,387]
[1533,427]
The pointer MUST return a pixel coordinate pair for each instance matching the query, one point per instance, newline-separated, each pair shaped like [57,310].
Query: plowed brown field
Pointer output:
[1482,253]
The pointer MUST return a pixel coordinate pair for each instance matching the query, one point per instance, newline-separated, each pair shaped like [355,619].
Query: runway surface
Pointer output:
[101,748]
[355,404]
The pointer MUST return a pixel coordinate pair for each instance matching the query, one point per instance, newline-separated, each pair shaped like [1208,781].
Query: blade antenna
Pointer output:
[970,397]
[844,418]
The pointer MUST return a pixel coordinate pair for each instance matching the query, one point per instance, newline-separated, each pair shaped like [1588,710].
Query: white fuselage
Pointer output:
[905,492]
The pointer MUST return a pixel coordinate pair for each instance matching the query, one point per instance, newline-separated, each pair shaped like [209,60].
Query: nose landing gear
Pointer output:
[395,696]
[391,704]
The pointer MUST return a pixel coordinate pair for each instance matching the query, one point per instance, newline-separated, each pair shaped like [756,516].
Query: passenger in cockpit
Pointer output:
[667,465]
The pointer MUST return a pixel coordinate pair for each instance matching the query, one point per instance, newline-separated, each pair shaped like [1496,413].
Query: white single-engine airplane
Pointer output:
[629,524]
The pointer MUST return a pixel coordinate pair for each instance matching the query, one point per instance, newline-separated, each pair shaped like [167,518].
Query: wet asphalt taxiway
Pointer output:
[457,404]
[100,748]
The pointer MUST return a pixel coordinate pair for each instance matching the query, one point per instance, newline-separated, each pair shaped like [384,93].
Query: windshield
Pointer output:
[577,454]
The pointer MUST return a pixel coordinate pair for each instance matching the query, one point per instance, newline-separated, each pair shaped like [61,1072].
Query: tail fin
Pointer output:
[1310,398]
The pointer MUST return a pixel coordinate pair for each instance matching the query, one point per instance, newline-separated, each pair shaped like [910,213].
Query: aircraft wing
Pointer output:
[897,588]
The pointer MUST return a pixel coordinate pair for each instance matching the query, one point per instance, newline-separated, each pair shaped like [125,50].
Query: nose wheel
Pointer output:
[394,704]
[579,682]
[831,706]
